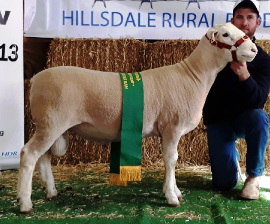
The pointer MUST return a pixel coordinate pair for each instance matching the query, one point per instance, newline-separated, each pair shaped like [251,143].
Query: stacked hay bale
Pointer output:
[127,55]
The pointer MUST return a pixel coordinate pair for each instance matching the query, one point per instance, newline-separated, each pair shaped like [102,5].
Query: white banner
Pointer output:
[11,83]
[140,19]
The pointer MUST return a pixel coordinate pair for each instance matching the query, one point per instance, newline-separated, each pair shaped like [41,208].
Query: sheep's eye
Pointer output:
[225,35]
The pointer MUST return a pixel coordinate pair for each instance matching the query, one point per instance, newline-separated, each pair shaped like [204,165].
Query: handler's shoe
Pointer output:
[251,189]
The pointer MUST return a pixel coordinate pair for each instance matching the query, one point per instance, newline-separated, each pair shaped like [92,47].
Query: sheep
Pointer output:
[89,103]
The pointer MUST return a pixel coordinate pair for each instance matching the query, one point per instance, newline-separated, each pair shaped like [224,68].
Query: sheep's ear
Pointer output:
[213,36]
[212,33]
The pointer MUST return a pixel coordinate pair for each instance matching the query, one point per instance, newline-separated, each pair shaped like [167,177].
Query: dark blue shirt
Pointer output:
[228,96]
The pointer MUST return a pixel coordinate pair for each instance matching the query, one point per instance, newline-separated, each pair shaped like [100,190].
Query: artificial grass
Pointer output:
[85,197]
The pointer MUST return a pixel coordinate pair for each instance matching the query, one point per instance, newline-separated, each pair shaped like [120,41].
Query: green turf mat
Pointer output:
[86,197]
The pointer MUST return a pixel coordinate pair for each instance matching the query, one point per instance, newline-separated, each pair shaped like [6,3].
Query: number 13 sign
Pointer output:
[11,83]
[13,54]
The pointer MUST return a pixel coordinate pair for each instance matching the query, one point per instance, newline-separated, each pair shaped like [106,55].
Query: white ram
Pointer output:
[90,104]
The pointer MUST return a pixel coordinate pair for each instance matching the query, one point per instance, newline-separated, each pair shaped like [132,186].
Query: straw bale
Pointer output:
[128,55]
[264,44]
[121,55]
[29,127]
[169,52]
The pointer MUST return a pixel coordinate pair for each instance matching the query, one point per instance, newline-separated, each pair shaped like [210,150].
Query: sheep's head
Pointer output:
[230,38]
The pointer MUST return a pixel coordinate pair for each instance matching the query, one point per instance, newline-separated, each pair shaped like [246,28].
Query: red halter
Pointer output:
[227,46]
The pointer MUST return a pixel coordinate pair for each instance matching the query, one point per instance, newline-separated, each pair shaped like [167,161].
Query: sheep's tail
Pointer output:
[60,146]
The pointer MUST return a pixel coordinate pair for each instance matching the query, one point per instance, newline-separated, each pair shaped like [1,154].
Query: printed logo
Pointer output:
[147,1]
[9,155]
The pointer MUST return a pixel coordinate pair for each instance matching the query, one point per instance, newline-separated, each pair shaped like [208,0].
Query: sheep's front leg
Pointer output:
[170,156]
[45,172]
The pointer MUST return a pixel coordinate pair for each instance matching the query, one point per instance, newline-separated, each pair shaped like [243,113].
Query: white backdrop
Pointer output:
[11,83]
[140,19]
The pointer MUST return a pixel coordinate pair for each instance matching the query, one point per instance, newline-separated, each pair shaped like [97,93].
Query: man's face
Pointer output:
[246,20]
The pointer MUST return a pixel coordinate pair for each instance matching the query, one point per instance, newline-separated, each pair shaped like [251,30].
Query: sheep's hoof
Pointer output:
[52,195]
[26,207]
[26,212]
[53,198]
[174,205]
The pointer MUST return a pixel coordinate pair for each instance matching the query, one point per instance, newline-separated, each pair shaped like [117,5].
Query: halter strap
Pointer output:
[227,46]
[241,40]
[218,44]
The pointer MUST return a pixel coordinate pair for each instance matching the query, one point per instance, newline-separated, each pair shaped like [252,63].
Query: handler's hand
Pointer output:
[240,69]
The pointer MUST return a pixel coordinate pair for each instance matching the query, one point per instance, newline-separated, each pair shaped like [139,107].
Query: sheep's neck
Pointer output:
[205,64]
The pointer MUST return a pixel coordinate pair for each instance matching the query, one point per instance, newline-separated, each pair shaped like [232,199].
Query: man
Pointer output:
[233,110]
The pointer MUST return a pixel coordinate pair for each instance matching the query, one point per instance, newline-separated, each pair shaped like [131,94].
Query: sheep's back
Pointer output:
[82,95]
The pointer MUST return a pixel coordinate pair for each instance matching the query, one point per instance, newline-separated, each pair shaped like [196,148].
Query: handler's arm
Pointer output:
[254,87]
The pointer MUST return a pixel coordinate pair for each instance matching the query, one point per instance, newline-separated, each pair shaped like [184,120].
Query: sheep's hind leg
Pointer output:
[44,168]
[45,172]
[170,155]
[31,152]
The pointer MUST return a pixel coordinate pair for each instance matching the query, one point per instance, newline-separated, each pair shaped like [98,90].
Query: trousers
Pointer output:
[251,125]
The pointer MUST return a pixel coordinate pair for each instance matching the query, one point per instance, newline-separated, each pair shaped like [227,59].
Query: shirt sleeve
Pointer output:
[254,90]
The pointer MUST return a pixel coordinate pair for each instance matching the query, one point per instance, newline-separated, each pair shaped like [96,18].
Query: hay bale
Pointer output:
[123,55]
[169,52]
[128,55]
[29,127]
[264,44]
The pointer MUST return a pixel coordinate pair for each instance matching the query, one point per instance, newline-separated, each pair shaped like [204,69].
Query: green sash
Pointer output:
[125,164]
